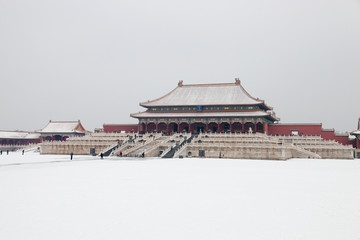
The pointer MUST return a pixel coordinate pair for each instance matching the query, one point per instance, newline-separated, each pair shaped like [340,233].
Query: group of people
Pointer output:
[7,152]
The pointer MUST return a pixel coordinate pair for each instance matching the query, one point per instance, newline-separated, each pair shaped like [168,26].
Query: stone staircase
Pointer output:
[107,151]
[181,147]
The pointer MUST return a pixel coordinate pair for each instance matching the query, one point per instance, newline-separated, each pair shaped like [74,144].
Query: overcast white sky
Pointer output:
[96,60]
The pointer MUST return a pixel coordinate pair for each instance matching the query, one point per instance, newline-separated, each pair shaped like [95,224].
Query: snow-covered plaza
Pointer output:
[51,197]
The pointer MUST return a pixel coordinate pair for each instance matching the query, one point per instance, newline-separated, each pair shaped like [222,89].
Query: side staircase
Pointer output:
[303,153]
[107,151]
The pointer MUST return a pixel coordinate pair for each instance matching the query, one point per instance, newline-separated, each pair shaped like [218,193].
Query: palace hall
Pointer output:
[195,108]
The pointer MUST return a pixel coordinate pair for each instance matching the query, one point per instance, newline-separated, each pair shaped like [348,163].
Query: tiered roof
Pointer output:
[19,135]
[63,127]
[206,95]
[201,114]
[220,94]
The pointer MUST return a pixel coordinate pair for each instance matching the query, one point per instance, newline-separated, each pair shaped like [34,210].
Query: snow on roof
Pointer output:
[19,135]
[203,114]
[205,94]
[299,124]
[63,127]
[357,132]
[120,124]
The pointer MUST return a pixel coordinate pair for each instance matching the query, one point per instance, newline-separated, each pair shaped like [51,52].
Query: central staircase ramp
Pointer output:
[139,149]
[126,145]
[170,150]
[181,147]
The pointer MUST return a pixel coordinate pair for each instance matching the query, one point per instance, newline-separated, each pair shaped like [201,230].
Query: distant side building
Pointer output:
[18,137]
[61,130]
[357,136]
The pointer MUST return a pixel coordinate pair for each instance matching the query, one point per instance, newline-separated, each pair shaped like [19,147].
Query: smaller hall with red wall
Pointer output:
[61,130]
[18,137]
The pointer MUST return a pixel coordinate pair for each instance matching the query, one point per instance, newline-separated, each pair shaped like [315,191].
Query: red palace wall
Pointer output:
[345,140]
[120,127]
[18,141]
[309,130]
[285,129]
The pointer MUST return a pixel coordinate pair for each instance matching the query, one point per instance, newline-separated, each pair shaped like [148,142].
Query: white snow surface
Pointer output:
[51,197]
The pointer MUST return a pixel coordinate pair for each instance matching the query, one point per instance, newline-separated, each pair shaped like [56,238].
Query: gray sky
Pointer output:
[96,60]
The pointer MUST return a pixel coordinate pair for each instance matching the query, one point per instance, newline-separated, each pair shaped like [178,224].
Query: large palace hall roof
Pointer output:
[206,95]
[202,114]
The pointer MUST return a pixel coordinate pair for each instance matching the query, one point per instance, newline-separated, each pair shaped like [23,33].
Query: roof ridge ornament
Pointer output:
[180,83]
[237,81]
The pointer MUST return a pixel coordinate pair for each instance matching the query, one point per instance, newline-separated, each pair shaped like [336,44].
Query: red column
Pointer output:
[265,127]
[190,128]
[218,130]
[231,128]
[207,128]
[168,128]
[255,128]
[139,127]
[157,127]
[178,128]
[243,127]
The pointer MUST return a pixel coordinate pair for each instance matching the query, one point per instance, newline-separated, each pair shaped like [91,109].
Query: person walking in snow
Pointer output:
[23,152]
[101,155]
[71,156]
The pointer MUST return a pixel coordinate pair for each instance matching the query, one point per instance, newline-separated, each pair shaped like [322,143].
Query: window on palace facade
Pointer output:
[199,108]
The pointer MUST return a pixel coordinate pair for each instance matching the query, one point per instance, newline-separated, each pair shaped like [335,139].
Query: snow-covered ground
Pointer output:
[51,197]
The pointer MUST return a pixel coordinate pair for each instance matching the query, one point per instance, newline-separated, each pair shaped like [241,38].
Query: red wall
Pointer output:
[328,135]
[120,127]
[310,130]
[344,140]
[285,129]
[18,141]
